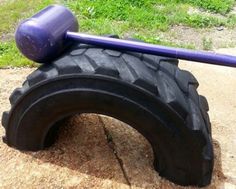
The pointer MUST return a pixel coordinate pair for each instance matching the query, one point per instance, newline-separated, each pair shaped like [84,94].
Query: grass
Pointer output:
[207,44]
[143,19]
[11,12]
[10,57]
[149,14]
[217,6]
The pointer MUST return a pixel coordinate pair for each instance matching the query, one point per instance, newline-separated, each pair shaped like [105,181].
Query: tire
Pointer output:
[150,93]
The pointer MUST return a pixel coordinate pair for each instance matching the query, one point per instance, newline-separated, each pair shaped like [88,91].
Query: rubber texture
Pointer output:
[150,93]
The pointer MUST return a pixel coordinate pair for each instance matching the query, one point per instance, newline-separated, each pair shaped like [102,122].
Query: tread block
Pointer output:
[135,54]
[184,79]
[193,94]
[207,119]
[36,77]
[16,94]
[101,62]
[84,63]
[167,67]
[124,71]
[146,85]
[198,123]
[25,85]
[152,60]
[77,52]
[208,168]
[43,73]
[151,66]
[173,61]
[5,117]
[142,76]
[207,152]
[113,53]
[84,46]
[66,65]
[203,102]
[204,107]
[172,95]
[107,71]
[139,70]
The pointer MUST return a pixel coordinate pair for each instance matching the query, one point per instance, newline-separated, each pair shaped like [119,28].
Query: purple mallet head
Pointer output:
[41,38]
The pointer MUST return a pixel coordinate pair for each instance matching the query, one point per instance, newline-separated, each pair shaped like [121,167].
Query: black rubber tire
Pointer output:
[150,93]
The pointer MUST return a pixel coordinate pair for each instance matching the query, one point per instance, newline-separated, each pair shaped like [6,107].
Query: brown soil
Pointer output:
[100,152]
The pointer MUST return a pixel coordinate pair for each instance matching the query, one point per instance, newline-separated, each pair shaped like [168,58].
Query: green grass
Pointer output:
[11,12]
[10,57]
[142,19]
[207,44]
[217,6]
[149,14]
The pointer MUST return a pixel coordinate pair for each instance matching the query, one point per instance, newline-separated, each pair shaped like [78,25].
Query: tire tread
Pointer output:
[157,75]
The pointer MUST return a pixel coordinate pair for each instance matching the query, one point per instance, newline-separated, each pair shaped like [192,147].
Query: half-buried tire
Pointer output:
[150,93]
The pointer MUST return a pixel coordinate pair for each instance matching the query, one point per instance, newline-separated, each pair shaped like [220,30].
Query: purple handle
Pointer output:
[119,44]
[47,34]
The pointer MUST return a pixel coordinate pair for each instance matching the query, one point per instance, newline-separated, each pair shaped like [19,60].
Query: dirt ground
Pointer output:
[219,37]
[84,158]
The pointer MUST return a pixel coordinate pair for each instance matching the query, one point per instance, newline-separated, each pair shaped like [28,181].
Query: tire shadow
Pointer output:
[83,146]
